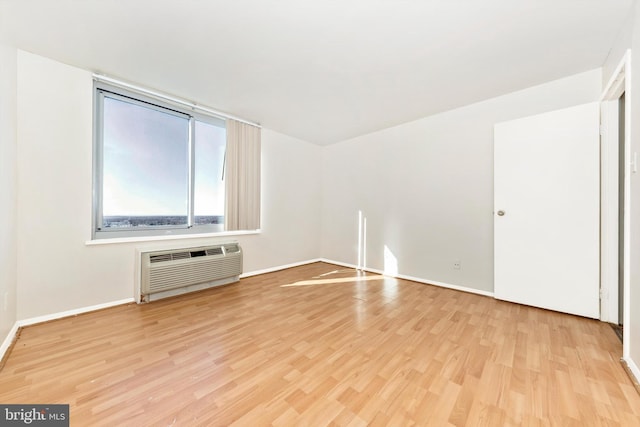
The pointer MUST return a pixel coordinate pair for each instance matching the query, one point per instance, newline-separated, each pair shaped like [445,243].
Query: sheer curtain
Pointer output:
[242,176]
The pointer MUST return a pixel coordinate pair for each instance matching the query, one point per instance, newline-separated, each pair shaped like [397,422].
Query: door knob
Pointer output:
[500,213]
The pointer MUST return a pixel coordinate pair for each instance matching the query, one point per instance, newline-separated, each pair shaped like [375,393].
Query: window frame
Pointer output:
[102,90]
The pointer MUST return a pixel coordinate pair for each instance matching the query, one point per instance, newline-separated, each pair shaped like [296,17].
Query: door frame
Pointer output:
[619,83]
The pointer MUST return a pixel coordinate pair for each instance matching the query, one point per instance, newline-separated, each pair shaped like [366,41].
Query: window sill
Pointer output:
[116,240]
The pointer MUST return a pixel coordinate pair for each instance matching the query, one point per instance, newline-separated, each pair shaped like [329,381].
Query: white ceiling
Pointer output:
[322,71]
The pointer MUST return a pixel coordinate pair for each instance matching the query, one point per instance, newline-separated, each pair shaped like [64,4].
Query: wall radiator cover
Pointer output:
[177,268]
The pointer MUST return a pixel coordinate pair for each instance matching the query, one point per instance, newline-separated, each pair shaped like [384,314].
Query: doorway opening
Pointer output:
[616,169]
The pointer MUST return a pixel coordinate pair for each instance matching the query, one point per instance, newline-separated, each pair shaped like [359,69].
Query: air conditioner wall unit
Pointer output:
[175,271]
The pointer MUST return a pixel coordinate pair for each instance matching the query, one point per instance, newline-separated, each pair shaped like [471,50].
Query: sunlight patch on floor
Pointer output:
[336,280]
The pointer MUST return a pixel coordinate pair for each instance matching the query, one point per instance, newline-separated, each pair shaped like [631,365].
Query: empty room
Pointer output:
[351,213]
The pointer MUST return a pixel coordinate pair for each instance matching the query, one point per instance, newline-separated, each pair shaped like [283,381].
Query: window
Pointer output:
[158,168]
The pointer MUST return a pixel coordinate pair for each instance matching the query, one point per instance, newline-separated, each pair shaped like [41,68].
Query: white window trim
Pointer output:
[121,240]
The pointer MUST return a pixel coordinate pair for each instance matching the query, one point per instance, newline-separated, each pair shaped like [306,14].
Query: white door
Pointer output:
[546,217]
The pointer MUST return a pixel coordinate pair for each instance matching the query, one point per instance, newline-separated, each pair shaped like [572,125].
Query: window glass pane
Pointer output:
[208,186]
[145,166]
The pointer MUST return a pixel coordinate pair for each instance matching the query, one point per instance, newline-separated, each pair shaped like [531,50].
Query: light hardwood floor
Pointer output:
[323,345]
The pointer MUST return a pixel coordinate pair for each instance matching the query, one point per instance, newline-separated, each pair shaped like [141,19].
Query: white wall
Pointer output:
[8,189]
[633,326]
[56,270]
[426,187]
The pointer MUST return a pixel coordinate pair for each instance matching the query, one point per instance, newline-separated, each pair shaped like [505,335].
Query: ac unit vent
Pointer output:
[180,255]
[160,258]
[232,248]
[215,251]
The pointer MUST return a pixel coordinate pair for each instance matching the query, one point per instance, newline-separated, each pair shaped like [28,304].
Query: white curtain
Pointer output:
[242,177]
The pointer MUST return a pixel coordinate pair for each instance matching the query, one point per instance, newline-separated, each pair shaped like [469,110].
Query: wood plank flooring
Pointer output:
[322,345]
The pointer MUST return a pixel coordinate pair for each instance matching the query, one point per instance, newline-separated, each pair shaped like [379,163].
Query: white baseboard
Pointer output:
[278,268]
[341,264]
[11,336]
[68,313]
[415,279]
[632,369]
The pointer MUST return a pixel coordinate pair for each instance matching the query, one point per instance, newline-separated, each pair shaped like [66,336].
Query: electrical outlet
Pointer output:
[456,264]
